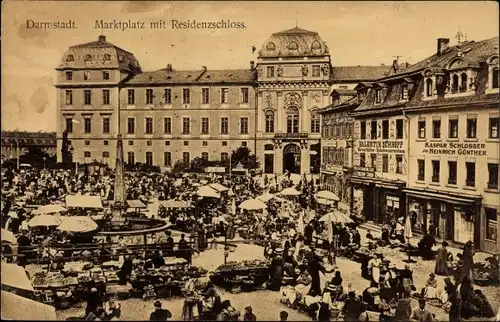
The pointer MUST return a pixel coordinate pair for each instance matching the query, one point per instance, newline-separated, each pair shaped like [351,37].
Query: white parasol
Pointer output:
[8,237]
[44,221]
[290,192]
[328,195]
[77,224]
[15,276]
[49,209]
[253,204]
[206,191]
[336,216]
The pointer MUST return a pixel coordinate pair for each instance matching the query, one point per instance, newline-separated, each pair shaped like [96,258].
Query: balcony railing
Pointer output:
[435,179]
[299,135]
[452,181]
[470,183]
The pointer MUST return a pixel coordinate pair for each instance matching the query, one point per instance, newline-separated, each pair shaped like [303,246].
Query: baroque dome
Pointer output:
[294,42]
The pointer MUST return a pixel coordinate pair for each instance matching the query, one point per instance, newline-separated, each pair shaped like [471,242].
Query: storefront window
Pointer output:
[491,223]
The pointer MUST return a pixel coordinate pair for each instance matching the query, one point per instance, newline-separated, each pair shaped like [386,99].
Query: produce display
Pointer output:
[243,267]
[250,273]
[44,280]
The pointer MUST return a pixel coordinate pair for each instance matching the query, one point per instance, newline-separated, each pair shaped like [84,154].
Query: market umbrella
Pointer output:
[44,221]
[49,209]
[325,194]
[8,237]
[77,224]
[208,192]
[336,216]
[290,192]
[15,307]
[15,276]
[252,204]
[265,197]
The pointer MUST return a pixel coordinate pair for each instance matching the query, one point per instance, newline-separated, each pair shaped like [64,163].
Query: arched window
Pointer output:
[107,57]
[204,156]
[70,58]
[269,115]
[316,46]
[429,90]
[495,78]
[185,158]
[463,82]
[293,46]
[271,46]
[292,120]
[88,58]
[454,85]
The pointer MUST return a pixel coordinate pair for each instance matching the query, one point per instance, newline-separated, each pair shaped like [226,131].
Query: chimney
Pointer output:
[169,67]
[102,38]
[252,64]
[442,45]
[395,64]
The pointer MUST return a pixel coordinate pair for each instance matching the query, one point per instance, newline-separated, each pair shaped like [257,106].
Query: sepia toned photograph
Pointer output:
[250,161]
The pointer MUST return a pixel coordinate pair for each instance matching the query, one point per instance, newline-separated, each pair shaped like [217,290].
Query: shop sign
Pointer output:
[364,174]
[381,146]
[453,148]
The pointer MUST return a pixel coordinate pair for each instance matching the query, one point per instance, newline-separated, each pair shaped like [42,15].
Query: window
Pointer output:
[107,57]
[167,125]
[244,143]
[429,90]
[454,84]
[105,142]
[315,123]
[167,143]
[149,96]
[385,163]
[69,97]
[363,130]
[373,158]
[361,95]
[378,96]
[492,175]
[244,125]
[404,92]
[105,96]
[421,129]
[224,95]
[185,157]
[87,97]
[362,160]
[493,127]
[463,82]
[186,125]
[70,58]
[452,172]
[399,164]
[186,98]
[105,154]
[316,69]
[130,142]
[270,147]
[244,95]
[87,142]
[435,170]
[421,170]
[224,125]
[69,125]
[495,78]
[204,156]
[105,75]
[453,128]
[69,75]
[149,125]
[373,134]
[105,125]
[130,158]
[87,154]
[204,125]
[149,158]
[224,143]
[167,95]
[270,71]
[205,96]
[471,127]
[167,159]
[130,125]
[269,118]
[336,101]
[470,179]
[292,120]
[131,97]
[205,143]
[224,156]
[491,223]
[87,125]
[436,129]
[86,75]
[385,129]
[399,129]
[149,143]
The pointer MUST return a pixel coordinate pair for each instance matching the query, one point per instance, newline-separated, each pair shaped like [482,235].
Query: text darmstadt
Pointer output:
[59,24]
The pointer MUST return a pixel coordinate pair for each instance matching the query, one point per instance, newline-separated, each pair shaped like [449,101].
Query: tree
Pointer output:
[37,158]
[242,155]
[180,167]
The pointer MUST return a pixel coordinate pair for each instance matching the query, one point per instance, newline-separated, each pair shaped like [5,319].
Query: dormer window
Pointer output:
[493,77]
[70,58]
[107,57]
[336,100]
[293,46]
[378,96]
[361,96]
[404,92]
[429,87]
[88,58]
[271,46]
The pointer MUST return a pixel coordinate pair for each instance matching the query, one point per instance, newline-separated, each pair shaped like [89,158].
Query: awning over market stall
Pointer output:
[207,191]
[172,203]
[290,192]
[15,307]
[135,204]
[252,204]
[80,201]
[15,276]
[49,209]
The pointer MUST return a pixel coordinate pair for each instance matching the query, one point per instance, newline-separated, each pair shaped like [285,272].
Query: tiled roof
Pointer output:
[349,104]
[359,73]
[165,76]
[344,92]
[100,44]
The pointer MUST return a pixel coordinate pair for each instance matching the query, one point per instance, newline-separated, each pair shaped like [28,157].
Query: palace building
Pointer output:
[169,115]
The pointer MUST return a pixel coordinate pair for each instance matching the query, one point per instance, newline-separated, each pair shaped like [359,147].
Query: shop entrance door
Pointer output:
[368,206]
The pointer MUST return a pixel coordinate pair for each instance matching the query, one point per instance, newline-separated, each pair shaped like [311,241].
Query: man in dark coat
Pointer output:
[468,260]
[313,268]
[93,301]
[442,261]
[277,265]
[159,314]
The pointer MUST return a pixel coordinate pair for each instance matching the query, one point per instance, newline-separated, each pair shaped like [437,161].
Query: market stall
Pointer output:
[243,275]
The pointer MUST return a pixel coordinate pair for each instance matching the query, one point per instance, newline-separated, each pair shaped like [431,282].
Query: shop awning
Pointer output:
[174,203]
[80,201]
[456,199]
[135,204]
[379,182]
[15,307]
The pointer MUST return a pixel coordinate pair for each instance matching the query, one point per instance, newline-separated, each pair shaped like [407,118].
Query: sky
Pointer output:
[357,33]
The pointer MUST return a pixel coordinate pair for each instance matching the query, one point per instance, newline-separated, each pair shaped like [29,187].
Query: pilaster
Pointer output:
[280,120]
